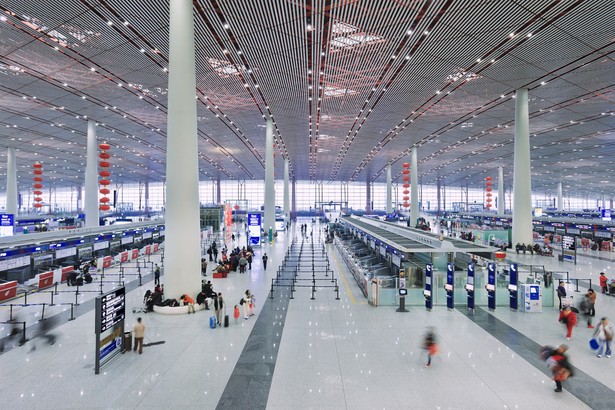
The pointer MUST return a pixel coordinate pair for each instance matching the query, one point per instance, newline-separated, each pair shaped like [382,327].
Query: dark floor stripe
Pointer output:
[584,387]
[249,384]
[40,328]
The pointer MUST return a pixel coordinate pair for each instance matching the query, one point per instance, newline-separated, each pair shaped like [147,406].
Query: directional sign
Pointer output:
[112,309]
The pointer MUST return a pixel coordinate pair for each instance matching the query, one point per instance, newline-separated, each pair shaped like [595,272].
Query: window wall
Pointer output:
[252,194]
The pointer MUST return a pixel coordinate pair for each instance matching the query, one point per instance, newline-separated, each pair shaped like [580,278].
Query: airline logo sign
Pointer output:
[45,280]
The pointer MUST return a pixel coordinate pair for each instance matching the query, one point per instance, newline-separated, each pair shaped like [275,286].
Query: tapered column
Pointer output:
[389,203]
[501,200]
[218,192]
[182,257]
[146,209]
[286,191]
[11,183]
[560,197]
[293,205]
[269,175]
[91,178]
[522,181]
[414,188]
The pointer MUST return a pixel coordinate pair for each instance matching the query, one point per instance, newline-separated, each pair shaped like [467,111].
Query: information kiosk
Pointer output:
[513,284]
[531,298]
[470,286]
[450,286]
[428,282]
[490,286]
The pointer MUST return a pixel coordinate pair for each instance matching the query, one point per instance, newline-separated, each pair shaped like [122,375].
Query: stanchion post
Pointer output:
[101,285]
[56,288]
[313,290]
[10,312]
[77,298]
[337,291]
[25,297]
[23,334]
[140,284]
[43,313]
[271,291]
[72,315]
[51,293]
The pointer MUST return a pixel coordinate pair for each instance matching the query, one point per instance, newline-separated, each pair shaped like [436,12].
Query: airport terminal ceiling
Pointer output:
[351,86]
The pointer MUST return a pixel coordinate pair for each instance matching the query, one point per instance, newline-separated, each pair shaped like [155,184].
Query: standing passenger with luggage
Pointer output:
[561,293]
[139,330]
[218,306]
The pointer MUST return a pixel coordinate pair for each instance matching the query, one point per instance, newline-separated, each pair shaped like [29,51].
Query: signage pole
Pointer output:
[470,286]
[450,286]
[490,285]
[428,286]
[512,286]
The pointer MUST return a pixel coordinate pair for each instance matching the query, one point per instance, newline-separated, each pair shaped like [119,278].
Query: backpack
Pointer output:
[241,301]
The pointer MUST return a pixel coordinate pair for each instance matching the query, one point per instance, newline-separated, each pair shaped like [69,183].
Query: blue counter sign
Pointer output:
[254,229]
[7,222]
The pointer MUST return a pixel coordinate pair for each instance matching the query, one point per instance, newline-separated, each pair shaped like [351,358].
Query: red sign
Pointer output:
[45,280]
[124,257]
[135,254]
[65,272]
[8,290]
[156,247]
[148,249]
[106,261]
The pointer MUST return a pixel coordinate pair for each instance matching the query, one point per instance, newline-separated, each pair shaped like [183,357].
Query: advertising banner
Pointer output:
[254,229]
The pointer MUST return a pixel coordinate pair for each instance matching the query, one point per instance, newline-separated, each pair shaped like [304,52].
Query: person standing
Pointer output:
[157,275]
[249,259]
[604,332]
[265,258]
[246,304]
[219,305]
[561,293]
[590,299]
[139,331]
[560,367]
[236,314]
[569,318]
[252,304]
[603,280]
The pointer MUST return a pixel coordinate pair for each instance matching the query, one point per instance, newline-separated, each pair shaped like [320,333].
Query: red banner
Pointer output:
[156,245]
[45,280]
[124,257]
[135,254]
[8,290]
[148,249]
[106,261]
[65,272]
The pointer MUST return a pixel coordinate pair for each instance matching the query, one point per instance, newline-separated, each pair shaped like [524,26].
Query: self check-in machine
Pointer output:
[470,286]
[402,292]
[490,286]
[531,298]
[450,286]
[428,282]
[513,286]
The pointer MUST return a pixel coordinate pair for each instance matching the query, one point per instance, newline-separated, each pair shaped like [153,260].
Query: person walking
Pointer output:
[252,304]
[560,367]
[568,318]
[430,345]
[603,280]
[157,275]
[265,258]
[219,305]
[561,293]
[604,332]
[139,331]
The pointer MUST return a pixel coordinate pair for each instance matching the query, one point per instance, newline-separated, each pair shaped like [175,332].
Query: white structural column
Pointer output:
[560,197]
[501,199]
[11,182]
[414,188]
[146,209]
[182,256]
[91,178]
[286,191]
[269,187]
[522,181]
[389,191]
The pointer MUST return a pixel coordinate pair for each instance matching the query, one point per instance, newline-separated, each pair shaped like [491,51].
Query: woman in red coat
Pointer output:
[569,318]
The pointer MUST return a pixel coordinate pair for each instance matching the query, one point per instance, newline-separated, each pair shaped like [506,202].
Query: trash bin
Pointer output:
[127,341]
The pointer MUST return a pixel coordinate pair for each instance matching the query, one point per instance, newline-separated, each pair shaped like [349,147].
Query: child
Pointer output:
[603,280]
[429,344]
[236,314]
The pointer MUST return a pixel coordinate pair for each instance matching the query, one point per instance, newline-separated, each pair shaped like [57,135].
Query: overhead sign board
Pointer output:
[254,228]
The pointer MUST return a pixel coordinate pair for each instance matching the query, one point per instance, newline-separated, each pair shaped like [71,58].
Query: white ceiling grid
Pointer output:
[351,85]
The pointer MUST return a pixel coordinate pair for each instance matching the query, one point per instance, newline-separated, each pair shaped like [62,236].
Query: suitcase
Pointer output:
[212,322]
[226,321]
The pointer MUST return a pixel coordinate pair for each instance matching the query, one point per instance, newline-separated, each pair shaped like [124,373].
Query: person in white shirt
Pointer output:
[604,332]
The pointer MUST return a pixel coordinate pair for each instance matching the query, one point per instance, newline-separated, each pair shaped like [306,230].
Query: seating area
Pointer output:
[177,310]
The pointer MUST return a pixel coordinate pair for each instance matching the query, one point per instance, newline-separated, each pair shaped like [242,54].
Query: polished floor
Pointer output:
[320,353]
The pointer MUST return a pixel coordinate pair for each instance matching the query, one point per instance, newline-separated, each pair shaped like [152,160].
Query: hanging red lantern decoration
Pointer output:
[38,172]
[488,189]
[406,178]
[406,185]
[104,174]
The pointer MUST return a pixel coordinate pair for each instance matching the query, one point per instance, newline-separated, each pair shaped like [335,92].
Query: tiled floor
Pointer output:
[338,354]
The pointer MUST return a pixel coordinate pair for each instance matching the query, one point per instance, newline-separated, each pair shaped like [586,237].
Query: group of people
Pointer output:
[534,249]
[238,259]
[81,272]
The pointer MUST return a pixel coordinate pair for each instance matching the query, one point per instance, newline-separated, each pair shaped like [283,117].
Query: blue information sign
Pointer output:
[513,286]
[491,285]
[470,286]
[7,222]
[428,282]
[450,286]
[254,229]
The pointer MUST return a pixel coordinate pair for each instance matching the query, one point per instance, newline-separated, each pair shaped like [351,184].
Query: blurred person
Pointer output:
[604,333]
[568,318]
[430,345]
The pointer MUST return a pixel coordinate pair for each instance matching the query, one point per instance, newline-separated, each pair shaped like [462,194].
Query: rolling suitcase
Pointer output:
[212,322]
[226,321]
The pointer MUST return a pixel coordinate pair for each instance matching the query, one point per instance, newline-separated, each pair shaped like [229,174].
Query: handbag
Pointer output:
[593,343]
[607,335]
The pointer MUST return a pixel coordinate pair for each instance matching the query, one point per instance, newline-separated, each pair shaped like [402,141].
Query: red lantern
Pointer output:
[38,199]
[405,171]
[37,192]
[105,191]
[105,182]
[104,207]
[104,164]
[406,198]
[406,185]
[38,179]
[38,186]
[406,178]
[38,205]
[406,205]
[104,147]
[104,155]
[37,165]
[406,165]
[104,199]
[104,173]
[37,172]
